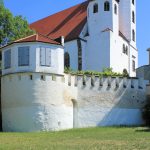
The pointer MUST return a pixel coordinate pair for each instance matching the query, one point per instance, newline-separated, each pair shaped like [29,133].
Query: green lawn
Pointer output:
[79,139]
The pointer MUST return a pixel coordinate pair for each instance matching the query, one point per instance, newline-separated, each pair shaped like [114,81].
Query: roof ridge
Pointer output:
[25,37]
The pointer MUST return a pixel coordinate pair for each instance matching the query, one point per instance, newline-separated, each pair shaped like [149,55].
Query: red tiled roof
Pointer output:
[37,38]
[68,23]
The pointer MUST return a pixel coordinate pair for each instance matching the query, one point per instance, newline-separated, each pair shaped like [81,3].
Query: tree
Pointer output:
[1,2]
[12,28]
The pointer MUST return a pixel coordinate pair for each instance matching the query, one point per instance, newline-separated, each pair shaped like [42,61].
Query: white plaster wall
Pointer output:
[64,103]
[126,25]
[98,51]
[57,56]
[14,58]
[133,52]
[35,105]
[107,106]
[57,59]
[118,60]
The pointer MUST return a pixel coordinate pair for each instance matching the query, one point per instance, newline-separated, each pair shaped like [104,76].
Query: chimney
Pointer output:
[61,40]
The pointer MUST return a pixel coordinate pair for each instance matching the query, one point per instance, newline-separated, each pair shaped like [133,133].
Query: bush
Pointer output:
[146,112]
[107,72]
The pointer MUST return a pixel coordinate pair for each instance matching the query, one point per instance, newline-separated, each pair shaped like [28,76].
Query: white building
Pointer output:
[98,34]
[37,95]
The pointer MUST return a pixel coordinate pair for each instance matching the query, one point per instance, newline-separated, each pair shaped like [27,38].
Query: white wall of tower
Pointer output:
[57,58]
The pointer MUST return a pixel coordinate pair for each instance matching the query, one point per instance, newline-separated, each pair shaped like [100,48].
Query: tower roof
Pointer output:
[68,23]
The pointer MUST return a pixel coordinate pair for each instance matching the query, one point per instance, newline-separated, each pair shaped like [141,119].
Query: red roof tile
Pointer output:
[68,23]
[37,38]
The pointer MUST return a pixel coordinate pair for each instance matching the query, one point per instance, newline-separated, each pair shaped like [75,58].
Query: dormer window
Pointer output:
[7,59]
[95,8]
[106,6]
[23,56]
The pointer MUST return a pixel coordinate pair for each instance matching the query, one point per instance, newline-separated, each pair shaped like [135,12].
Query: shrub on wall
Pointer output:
[107,72]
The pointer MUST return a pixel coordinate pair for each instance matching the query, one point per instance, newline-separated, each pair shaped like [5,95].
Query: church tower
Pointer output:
[127,17]
[103,25]
[102,15]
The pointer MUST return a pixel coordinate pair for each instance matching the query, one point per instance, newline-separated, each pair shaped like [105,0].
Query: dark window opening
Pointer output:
[67,60]
[133,35]
[133,17]
[79,54]
[106,6]
[95,8]
[133,2]
[31,77]
[115,9]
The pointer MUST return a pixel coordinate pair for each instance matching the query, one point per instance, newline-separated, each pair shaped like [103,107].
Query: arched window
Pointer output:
[133,35]
[133,2]
[95,8]
[67,60]
[106,6]
[115,9]
[133,17]
[124,49]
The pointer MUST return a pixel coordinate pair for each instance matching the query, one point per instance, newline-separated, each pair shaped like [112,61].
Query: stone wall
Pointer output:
[46,102]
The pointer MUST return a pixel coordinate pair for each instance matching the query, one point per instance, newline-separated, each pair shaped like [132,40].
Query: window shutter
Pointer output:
[42,57]
[53,57]
[48,57]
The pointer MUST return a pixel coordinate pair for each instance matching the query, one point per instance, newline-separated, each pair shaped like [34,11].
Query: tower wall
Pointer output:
[35,105]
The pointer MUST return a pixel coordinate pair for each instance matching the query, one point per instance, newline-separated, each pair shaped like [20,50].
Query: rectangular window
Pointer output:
[23,56]
[7,59]
[45,57]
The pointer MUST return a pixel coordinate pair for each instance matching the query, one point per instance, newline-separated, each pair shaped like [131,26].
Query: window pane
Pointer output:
[42,57]
[23,56]
[7,59]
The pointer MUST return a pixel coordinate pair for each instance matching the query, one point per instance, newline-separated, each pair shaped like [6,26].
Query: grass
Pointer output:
[107,138]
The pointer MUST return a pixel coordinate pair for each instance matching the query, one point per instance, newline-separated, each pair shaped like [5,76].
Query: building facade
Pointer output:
[98,34]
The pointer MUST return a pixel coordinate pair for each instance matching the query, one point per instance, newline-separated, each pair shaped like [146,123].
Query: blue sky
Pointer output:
[34,10]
